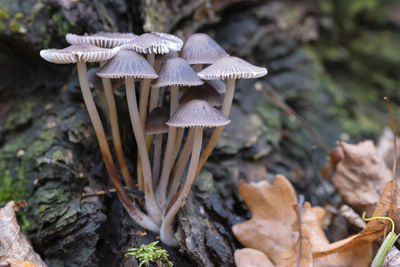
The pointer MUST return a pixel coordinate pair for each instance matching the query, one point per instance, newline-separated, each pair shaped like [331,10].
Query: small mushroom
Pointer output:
[175,72]
[81,54]
[204,92]
[201,49]
[230,68]
[130,65]
[101,39]
[156,126]
[197,114]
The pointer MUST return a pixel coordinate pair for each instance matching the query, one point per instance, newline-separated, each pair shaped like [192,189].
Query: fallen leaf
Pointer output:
[352,217]
[274,228]
[248,257]
[359,175]
[13,244]
[19,263]
[392,258]
[386,207]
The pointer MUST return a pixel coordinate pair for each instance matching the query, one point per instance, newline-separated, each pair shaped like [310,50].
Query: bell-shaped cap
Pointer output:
[96,82]
[79,52]
[130,64]
[204,92]
[101,39]
[156,121]
[197,113]
[218,85]
[231,68]
[202,49]
[155,42]
[176,71]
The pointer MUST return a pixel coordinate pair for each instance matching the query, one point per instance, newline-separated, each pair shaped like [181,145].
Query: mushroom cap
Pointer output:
[96,82]
[155,42]
[218,85]
[197,113]
[78,52]
[204,92]
[156,121]
[202,49]
[127,63]
[232,68]
[176,71]
[101,39]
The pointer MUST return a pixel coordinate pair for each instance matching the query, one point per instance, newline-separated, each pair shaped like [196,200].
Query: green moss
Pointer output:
[15,23]
[4,16]
[61,23]
[21,115]
[150,253]
[13,188]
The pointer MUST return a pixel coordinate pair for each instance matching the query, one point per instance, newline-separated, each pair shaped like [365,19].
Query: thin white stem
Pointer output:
[178,142]
[166,232]
[151,204]
[180,165]
[174,99]
[167,166]
[140,218]
[157,158]
[226,109]
[113,119]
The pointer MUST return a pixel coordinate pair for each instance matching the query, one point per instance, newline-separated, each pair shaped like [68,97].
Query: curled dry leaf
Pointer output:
[352,217]
[274,228]
[14,246]
[358,174]
[386,207]
[248,257]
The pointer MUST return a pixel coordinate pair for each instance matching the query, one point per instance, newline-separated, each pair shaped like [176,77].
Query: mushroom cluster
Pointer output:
[157,60]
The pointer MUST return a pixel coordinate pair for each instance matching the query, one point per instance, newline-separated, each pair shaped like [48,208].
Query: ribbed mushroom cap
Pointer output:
[130,64]
[204,92]
[197,113]
[155,42]
[176,71]
[156,121]
[96,82]
[78,52]
[101,39]
[233,68]
[202,49]
[218,85]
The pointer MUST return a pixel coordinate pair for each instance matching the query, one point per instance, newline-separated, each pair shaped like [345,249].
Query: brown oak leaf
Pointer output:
[248,257]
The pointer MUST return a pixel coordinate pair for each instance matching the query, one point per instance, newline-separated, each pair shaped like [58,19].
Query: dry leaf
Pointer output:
[19,263]
[387,207]
[13,244]
[248,257]
[274,228]
[270,228]
[359,175]
[352,217]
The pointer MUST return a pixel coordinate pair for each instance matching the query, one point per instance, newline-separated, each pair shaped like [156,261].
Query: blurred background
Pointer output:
[330,64]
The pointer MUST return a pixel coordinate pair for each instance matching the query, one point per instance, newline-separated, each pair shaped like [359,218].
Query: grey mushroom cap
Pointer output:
[155,43]
[176,71]
[96,82]
[156,121]
[101,39]
[202,49]
[197,113]
[204,92]
[232,68]
[128,64]
[78,52]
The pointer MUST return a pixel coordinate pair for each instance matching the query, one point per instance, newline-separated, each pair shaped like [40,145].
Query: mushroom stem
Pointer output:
[143,100]
[113,118]
[151,204]
[157,158]
[166,169]
[174,99]
[226,110]
[140,218]
[178,142]
[180,165]
[198,67]
[166,232]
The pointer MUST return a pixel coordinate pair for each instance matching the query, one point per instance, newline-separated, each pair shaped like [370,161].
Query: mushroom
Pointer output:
[81,54]
[150,44]
[156,125]
[197,114]
[174,72]
[204,92]
[130,65]
[201,49]
[109,40]
[230,68]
